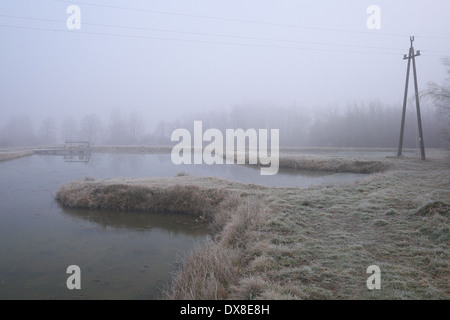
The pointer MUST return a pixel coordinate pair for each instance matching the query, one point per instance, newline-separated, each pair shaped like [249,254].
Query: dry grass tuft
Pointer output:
[250,288]
[177,199]
[235,234]
[209,272]
[320,162]
[332,164]
[433,207]
[206,273]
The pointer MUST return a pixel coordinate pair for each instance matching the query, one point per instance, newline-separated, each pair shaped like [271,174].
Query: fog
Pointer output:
[137,70]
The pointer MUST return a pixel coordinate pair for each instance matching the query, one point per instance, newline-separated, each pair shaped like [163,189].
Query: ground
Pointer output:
[319,242]
[315,243]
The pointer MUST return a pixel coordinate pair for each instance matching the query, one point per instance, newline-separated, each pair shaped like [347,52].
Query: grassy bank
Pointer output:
[315,243]
[323,159]
[177,195]
[10,155]
[321,240]
[131,149]
[332,164]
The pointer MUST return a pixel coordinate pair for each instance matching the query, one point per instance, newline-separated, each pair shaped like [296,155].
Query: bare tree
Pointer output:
[47,131]
[164,131]
[117,129]
[18,132]
[69,129]
[91,127]
[136,127]
[440,96]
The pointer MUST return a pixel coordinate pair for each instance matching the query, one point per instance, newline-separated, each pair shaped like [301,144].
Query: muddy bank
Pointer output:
[10,155]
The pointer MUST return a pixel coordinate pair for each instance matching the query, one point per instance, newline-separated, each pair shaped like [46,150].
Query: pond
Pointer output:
[121,255]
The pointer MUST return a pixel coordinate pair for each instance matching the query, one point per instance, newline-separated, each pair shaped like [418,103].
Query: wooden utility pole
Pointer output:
[411,56]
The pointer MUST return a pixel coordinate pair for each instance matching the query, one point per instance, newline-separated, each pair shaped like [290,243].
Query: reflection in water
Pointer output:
[121,255]
[296,172]
[123,162]
[49,159]
[77,158]
[140,221]
[160,165]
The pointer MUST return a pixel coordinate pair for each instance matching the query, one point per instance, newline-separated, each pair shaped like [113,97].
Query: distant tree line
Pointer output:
[357,125]
[374,125]
[439,94]
[19,131]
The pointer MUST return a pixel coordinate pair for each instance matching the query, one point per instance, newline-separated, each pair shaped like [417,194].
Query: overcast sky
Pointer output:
[167,58]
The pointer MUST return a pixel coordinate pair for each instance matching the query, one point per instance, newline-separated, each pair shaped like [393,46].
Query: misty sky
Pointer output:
[211,55]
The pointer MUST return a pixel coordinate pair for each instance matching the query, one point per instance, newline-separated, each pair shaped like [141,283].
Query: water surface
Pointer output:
[121,255]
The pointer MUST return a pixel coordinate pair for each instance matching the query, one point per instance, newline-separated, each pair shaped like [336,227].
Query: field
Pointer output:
[315,243]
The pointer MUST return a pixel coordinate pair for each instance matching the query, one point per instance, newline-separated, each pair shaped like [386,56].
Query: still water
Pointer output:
[121,255]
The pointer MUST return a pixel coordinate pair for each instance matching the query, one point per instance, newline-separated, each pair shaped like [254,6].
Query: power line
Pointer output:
[204,33]
[249,21]
[436,51]
[207,34]
[193,41]
[216,34]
